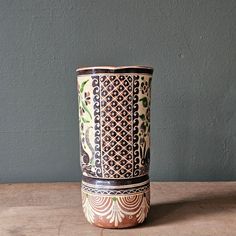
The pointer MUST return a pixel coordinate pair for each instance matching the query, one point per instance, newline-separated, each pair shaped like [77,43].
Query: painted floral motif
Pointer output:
[116,215]
[87,98]
[85,121]
[115,209]
[143,211]
[144,86]
[116,109]
[144,139]
[84,100]
[88,210]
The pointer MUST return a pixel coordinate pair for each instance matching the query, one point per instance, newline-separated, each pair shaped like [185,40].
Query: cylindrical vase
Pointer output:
[114,121]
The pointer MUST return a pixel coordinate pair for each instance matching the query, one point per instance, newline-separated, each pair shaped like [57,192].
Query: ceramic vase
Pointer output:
[114,120]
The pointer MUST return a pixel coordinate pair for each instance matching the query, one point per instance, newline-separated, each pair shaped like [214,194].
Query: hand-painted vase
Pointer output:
[114,118]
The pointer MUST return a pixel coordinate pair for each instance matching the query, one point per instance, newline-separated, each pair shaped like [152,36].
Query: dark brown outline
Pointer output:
[129,69]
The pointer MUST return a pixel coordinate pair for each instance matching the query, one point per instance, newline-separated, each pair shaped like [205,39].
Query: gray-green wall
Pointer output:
[191,45]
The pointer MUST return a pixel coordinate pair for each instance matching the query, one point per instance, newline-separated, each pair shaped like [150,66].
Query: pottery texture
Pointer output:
[114,120]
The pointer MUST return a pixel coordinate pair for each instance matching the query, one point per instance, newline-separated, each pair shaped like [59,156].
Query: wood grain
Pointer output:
[51,209]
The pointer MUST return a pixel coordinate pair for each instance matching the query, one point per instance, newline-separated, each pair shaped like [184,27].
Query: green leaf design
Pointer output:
[92,162]
[84,120]
[142,117]
[86,109]
[144,101]
[82,86]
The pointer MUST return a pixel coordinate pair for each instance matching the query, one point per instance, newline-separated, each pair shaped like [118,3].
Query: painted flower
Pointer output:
[143,128]
[144,87]
[81,111]
[87,98]
[142,134]
[116,214]
[144,208]
[88,210]
[82,126]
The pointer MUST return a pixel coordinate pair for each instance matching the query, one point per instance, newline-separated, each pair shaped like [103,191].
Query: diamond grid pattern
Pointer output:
[116,114]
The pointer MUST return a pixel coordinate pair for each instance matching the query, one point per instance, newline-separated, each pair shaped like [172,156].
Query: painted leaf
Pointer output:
[114,198]
[143,127]
[142,117]
[85,120]
[144,101]
[82,86]
[141,152]
[86,109]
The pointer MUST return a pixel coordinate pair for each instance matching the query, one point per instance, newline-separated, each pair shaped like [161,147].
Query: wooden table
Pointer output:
[177,209]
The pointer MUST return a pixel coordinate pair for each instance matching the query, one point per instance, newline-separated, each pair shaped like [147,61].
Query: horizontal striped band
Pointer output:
[114,182]
[118,70]
[118,191]
[116,186]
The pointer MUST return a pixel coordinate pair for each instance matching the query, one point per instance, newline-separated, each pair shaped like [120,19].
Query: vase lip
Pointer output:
[142,69]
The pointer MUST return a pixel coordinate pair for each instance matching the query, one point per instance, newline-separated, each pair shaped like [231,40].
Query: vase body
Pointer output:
[114,120]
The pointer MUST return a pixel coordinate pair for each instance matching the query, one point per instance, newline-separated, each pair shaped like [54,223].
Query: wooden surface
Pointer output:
[177,209]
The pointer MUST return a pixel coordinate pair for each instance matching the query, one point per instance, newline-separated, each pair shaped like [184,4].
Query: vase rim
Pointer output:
[114,69]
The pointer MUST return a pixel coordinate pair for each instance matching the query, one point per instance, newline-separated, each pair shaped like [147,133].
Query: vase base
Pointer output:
[104,225]
[123,208]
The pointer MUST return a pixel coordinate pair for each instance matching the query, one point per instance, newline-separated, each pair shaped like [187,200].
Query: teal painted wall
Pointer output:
[191,45]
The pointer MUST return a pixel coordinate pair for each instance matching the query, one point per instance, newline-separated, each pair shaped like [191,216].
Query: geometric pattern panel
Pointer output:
[116,109]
